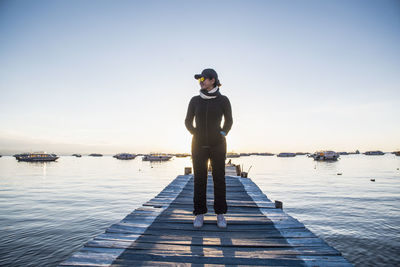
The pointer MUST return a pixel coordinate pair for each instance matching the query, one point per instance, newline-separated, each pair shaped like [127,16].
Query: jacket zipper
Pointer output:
[207,122]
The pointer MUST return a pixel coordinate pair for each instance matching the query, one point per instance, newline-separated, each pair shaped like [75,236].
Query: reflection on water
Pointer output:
[48,210]
[38,165]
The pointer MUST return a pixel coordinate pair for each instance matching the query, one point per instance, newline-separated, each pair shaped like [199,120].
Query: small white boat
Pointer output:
[232,155]
[156,157]
[326,155]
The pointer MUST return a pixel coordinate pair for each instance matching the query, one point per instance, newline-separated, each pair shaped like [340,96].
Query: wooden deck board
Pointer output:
[161,233]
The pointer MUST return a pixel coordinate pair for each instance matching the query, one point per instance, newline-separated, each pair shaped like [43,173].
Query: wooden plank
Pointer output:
[182,214]
[208,226]
[189,206]
[113,241]
[208,219]
[241,209]
[226,246]
[189,214]
[286,233]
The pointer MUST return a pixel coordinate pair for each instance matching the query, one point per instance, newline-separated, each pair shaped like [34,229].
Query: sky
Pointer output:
[117,76]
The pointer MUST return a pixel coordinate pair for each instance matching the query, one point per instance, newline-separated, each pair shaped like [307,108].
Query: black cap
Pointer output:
[209,74]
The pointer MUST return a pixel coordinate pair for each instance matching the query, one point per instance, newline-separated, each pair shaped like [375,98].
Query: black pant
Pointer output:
[217,156]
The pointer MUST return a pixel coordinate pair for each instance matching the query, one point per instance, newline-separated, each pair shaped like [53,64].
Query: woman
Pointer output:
[209,143]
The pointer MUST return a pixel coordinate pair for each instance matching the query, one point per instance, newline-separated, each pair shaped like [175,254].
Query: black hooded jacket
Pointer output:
[208,116]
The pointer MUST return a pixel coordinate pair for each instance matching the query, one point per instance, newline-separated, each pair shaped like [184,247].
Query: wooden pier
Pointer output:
[161,233]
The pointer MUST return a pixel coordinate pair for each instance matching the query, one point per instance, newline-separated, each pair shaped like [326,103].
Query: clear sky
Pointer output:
[117,76]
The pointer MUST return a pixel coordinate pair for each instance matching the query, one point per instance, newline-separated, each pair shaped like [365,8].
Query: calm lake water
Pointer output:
[49,210]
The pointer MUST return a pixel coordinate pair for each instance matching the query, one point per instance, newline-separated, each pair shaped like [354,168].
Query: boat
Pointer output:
[36,157]
[301,153]
[343,153]
[326,155]
[95,155]
[286,155]
[354,153]
[374,153]
[157,157]
[77,155]
[125,156]
[182,155]
[265,154]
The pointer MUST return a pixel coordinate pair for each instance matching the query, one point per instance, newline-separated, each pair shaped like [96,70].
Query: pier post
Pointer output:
[238,170]
[278,204]
[188,170]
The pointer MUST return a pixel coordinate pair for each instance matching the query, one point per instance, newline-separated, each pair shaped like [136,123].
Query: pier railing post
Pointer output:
[188,170]
[238,170]
[278,204]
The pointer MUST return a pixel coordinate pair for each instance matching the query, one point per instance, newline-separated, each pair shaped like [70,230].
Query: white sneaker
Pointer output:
[221,222]
[198,221]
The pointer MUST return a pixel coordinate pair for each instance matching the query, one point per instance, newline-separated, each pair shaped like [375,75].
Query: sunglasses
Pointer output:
[201,79]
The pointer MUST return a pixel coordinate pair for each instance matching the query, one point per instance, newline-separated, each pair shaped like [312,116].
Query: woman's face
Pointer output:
[207,84]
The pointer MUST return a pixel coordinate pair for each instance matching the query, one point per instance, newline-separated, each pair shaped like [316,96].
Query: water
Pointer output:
[49,210]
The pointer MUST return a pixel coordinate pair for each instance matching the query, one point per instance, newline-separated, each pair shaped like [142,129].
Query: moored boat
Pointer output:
[156,157]
[354,153]
[36,157]
[182,155]
[232,155]
[265,154]
[77,155]
[95,155]
[374,153]
[124,156]
[286,155]
[326,155]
